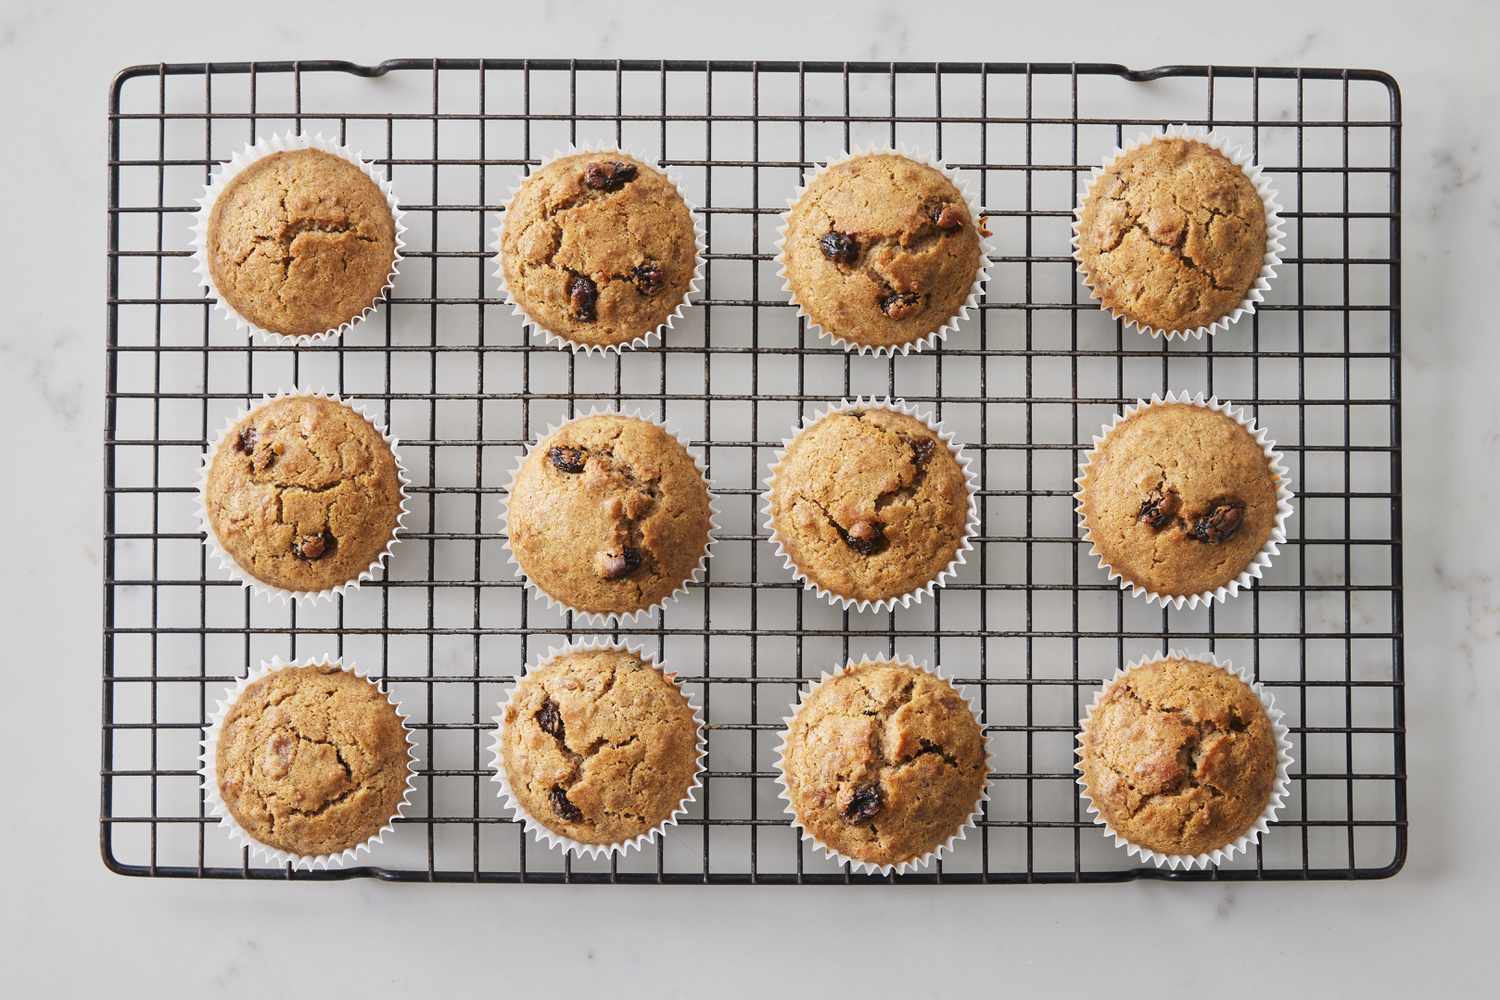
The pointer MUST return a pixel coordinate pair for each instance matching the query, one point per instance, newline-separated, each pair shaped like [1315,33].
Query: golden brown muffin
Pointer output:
[300,242]
[1179,499]
[881,250]
[884,762]
[609,514]
[303,493]
[1179,756]
[598,248]
[869,503]
[599,746]
[1172,235]
[312,760]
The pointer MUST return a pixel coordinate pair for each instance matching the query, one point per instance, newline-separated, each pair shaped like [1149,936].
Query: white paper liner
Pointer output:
[610,617]
[971,522]
[545,833]
[226,561]
[1275,230]
[1279,790]
[214,801]
[869,867]
[552,338]
[976,291]
[243,158]
[1262,560]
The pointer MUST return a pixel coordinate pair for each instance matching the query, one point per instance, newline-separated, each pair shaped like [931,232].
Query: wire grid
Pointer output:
[1031,625]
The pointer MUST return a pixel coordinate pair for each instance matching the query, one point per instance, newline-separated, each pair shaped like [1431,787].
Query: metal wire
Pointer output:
[1030,624]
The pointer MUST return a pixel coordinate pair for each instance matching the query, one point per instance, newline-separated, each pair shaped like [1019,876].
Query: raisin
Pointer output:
[865,537]
[1220,522]
[946,216]
[841,248]
[865,804]
[312,547]
[550,719]
[899,305]
[649,278]
[921,450]
[617,565]
[1159,509]
[560,805]
[569,460]
[608,175]
[583,296]
[248,438]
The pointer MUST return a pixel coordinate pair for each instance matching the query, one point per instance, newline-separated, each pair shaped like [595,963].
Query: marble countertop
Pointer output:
[71,928]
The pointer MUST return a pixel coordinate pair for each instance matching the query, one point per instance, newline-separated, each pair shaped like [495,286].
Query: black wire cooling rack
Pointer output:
[1030,625]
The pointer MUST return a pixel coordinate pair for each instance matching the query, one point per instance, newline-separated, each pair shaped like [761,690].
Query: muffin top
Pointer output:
[1179,756]
[1172,235]
[869,503]
[312,760]
[300,242]
[884,762]
[599,745]
[598,248]
[303,493]
[609,514]
[881,250]
[1179,499]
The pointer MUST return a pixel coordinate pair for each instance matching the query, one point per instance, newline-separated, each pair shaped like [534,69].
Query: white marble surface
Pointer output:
[70,928]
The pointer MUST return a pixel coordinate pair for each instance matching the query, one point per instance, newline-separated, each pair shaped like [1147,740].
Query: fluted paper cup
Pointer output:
[976,291]
[644,339]
[1275,228]
[244,158]
[214,800]
[1262,560]
[971,521]
[540,829]
[869,867]
[1279,790]
[248,580]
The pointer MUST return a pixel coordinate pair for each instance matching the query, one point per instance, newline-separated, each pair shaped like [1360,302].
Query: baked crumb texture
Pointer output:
[883,764]
[301,242]
[598,748]
[1172,236]
[1179,756]
[311,760]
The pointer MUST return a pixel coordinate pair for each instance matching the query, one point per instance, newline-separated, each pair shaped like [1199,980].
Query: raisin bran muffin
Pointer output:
[312,760]
[609,514]
[1179,499]
[1172,235]
[598,248]
[884,762]
[869,504]
[881,250]
[303,493]
[1179,756]
[300,242]
[598,745]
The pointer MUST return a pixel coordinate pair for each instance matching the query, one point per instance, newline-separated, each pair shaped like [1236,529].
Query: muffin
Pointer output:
[598,249]
[869,504]
[1172,235]
[881,250]
[1179,756]
[1179,499]
[300,242]
[303,494]
[598,746]
[883,763]
[312,760]
[609,515]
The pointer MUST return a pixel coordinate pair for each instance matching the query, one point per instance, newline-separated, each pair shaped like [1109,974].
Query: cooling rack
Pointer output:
[1030,625]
